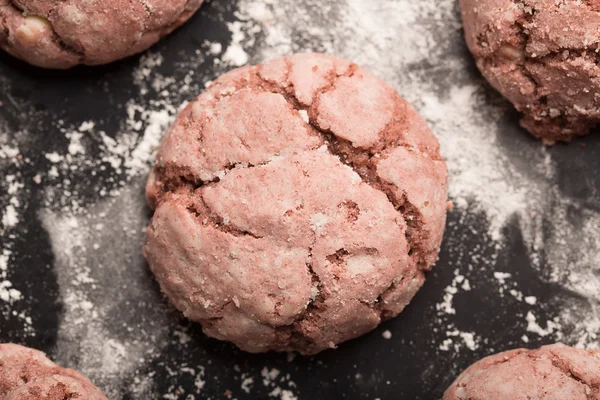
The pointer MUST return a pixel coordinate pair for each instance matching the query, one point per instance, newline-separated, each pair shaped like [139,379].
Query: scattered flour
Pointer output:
[8,293]
[457,340]
[274,381]
[7,152]
[247,383]
[10,217]
[235,54]
[534,327]
[12,199]
[501,277]
[425,61]
[458,283]
[109,340]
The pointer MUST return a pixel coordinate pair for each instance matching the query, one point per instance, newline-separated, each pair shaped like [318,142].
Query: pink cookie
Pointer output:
[543,56]
[298,204]
[62,34]
[555,372]
[26,374]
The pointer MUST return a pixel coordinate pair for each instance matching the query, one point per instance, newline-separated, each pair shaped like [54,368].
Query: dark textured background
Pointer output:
[408,366]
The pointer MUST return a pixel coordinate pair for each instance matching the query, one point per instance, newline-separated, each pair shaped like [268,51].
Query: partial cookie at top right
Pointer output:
[542,55]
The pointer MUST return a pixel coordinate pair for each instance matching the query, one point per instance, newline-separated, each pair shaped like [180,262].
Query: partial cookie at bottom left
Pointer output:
[27,374]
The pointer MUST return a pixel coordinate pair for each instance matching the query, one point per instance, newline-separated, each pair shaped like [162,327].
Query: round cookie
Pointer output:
[62,34]
[555,372]
[297,205]
[26,374]
[542,56]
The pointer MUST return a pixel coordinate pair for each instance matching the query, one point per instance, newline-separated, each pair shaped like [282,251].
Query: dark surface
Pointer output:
[408,366]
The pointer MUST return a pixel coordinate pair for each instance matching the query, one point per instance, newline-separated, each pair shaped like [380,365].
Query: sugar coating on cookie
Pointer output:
[543,56]
[297,204]
[555,372]
[62,34]
[26,374]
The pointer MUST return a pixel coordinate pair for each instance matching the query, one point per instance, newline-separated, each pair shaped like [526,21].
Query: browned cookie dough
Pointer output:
[26,374]
[555,372]
[62,34]
[543,56]
[298,204]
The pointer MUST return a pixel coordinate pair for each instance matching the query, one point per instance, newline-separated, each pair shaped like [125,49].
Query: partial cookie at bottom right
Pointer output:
[555,372]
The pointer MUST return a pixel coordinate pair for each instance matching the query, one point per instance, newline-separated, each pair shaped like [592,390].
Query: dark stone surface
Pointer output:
[408,366]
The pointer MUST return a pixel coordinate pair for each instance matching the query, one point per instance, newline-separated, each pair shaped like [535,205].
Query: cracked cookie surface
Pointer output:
[542,55]
[297,204]
[555,372]
[26,374]
[62,34]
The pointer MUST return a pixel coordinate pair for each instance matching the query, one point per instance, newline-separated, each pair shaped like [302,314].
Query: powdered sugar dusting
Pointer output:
[94,296]
[415,46]
[12,194]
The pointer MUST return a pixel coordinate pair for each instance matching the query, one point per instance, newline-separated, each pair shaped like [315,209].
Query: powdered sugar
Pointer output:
[157,121]
[8,152]
[416,46]
[533,326]
[12,191]
[280,386]
[235,54]
[93,299]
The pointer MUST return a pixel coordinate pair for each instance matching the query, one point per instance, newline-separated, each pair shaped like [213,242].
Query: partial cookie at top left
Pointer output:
[63,34]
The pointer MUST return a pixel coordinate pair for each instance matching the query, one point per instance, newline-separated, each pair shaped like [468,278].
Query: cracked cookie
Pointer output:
[555,372]
[62,34]
[26,374]
[297,204]
[542,55]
